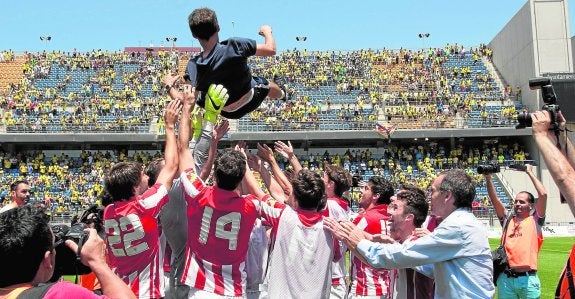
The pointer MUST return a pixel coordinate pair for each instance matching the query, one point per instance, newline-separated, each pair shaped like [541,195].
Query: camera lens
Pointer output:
[524,120]
[487,169]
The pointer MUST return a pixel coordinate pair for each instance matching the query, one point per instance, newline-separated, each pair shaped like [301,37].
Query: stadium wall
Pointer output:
[536,41]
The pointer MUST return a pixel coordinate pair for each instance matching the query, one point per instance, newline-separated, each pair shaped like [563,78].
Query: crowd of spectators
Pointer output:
[7,55]
[69,184]
[433,86]
[101,91]
[93,91]
[64,184]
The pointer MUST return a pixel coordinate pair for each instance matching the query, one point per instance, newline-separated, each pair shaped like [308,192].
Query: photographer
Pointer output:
[27,256]
[523,238]
[560,166]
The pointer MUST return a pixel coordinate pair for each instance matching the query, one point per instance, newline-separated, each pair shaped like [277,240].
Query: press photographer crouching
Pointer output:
[28,255]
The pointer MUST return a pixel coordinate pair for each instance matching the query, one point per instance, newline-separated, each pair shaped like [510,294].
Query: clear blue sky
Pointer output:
[328,24]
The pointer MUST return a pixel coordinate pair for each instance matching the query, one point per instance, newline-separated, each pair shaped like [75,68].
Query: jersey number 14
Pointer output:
[233,219]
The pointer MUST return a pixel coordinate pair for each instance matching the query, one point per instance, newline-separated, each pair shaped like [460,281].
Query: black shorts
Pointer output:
[261,91]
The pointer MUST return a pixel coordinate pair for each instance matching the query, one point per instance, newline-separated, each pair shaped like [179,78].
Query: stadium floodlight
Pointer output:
[173,40]
[45,39]
[423,37]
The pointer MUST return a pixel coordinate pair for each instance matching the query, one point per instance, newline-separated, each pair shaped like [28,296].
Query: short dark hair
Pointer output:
[461,185]
[15,184]
[24,239]
[229,169]
[382,186]
[530,196]
[415,203]
[341,178]
[153,169]
[203,23]
[121,180]
[308,190]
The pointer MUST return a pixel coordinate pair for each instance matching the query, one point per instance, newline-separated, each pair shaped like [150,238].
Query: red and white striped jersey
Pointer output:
[133,245]
[219,226]
[410,284]
[338,209]
[365,280]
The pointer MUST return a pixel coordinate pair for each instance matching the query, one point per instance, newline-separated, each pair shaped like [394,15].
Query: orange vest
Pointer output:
[523,243]
[563,287]
[90,282]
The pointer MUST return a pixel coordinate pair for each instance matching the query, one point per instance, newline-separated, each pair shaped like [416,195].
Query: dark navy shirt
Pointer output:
[226,64]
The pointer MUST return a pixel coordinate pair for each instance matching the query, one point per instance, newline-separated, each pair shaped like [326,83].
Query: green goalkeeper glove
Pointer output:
[216,98]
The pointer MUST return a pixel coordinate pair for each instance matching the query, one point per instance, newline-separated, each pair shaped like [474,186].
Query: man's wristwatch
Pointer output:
[167,88]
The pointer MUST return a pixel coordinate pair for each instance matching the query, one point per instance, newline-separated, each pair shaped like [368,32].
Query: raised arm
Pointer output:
[218,133]
[541,204]
[166,175]
[495,201]
[275,190]
[564,141]
[286,150]
[186,158]
[249,182]
[269,46]
[280,182]
[561,170]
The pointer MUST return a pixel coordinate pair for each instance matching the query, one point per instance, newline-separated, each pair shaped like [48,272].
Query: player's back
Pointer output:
[301,259]
[226,64]
[219,227]
[133,244]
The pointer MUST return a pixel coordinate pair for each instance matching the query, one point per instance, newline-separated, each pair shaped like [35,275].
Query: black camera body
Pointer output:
[355,179]
[549,98]
[67,262]
[488,168]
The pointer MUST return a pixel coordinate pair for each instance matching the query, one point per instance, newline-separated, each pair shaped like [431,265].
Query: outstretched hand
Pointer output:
[220,130]
[286,150]
[170,79]
[265,29]
[189,95]
[254,162]
[345,231]
[172,112]
[265,152]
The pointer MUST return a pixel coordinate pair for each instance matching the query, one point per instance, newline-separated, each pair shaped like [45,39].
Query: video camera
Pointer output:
[550,100]
[488,168]
[67,261]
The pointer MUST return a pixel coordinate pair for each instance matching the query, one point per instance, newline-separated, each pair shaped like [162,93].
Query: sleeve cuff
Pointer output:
[363,246]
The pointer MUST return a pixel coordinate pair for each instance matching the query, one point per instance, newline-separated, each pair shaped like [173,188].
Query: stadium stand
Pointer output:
[119,92]
[68,184]
[99,91]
